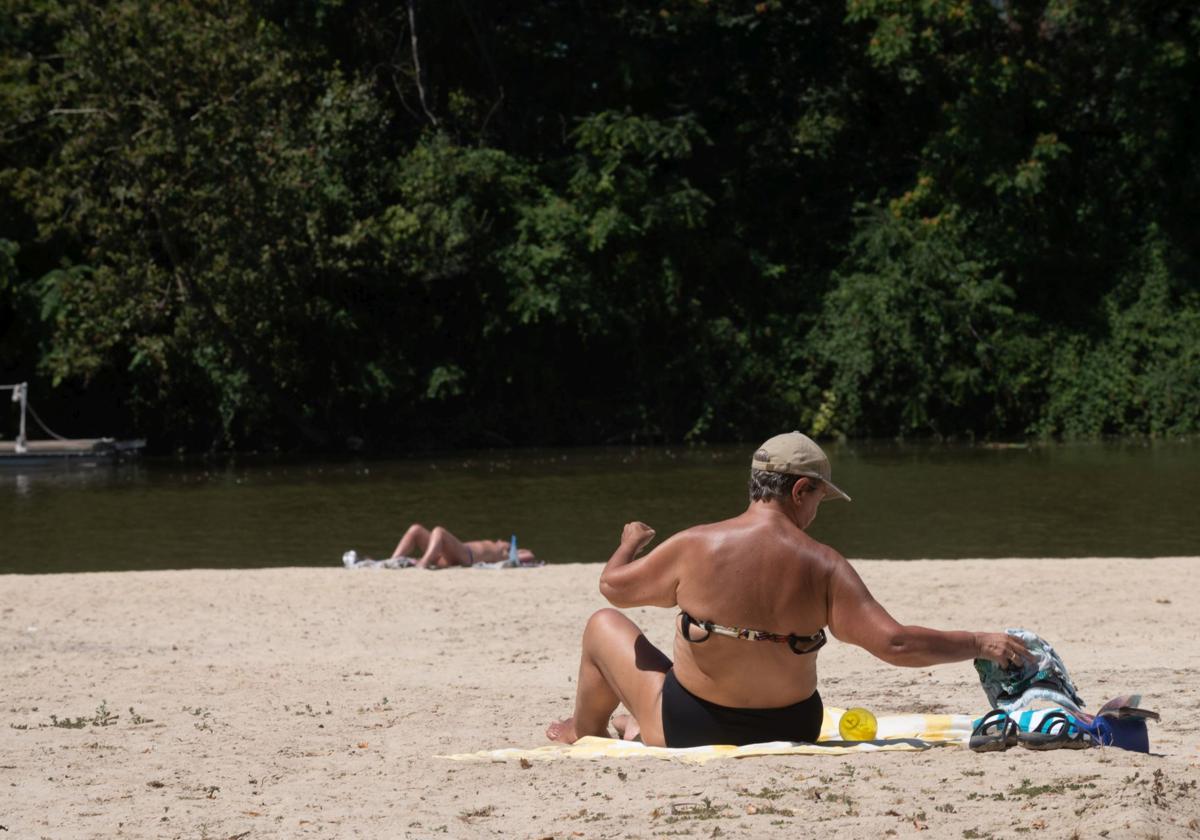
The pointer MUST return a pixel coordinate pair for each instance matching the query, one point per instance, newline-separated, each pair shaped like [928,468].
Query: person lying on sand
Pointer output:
[439,549]
[755,594]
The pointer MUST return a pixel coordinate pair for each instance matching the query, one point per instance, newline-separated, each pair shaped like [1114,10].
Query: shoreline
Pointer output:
[572,563]
[305,701]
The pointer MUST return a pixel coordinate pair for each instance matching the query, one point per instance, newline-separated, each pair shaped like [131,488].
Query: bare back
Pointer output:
[755,571]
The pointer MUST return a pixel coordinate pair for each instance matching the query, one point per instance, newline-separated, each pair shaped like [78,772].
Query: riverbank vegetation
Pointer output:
[321,223]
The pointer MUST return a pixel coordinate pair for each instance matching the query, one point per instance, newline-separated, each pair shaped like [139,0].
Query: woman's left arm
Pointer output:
[648,582]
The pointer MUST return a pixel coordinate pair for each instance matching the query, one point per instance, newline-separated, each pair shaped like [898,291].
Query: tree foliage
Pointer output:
[303,224]
[919,335]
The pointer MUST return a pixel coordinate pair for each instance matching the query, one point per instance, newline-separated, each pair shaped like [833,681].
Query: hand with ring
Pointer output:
[1003,649]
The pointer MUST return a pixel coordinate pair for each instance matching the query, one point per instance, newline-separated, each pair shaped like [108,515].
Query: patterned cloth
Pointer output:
[1045,680]
[351,560]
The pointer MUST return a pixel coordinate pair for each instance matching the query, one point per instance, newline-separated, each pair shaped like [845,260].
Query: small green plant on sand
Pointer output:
[486,811]
[765,792]
[205,717]
[1059,786]
[769,810]
[103,717]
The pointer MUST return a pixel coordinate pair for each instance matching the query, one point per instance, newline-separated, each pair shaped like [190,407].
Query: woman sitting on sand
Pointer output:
[439,549]
[755,594]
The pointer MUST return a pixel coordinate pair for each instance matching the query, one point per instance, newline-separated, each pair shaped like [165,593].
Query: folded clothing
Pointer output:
[1019,687]
[1121,723]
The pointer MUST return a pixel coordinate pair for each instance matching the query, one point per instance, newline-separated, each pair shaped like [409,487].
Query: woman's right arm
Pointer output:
[647,582]
[856,617]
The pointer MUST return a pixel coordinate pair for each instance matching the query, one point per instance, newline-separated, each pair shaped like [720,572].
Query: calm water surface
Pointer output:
[910,501]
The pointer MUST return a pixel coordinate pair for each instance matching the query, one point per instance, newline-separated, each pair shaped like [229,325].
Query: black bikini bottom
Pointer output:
[690,721]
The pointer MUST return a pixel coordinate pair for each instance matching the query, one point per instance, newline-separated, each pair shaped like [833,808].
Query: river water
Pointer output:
[910,501]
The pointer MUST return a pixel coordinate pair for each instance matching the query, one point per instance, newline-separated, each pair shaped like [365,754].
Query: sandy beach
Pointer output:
[312,702]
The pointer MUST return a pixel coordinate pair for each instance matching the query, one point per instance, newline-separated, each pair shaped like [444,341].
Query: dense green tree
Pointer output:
[919,336]
[204,183]
[307,224]
[1141,374]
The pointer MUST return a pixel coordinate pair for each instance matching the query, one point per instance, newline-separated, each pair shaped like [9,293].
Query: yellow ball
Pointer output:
[858,724]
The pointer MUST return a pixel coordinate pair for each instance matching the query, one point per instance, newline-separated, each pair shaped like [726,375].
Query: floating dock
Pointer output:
[26,451]
[41,450]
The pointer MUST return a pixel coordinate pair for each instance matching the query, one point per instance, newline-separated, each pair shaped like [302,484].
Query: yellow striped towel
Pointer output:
[896,732]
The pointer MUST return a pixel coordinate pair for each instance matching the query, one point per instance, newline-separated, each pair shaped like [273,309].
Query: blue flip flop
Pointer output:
[996,731]
[1057,731]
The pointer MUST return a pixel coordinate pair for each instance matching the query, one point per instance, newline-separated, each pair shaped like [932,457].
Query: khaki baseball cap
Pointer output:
[796,454]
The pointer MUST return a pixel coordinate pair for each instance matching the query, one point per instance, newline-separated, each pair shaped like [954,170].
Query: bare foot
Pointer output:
[562,731]
[627,727]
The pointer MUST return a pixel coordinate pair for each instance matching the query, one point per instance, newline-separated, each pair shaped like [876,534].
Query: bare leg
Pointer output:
[627,727]
[618,665]
[413,543]
[444,550]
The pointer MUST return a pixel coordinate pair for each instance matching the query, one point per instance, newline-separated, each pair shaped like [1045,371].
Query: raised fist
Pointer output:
[637,534]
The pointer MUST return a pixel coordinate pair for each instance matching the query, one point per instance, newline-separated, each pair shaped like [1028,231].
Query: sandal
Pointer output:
[1055,732]
[995,732]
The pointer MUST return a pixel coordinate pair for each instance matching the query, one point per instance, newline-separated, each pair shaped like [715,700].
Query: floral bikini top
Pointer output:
[799,644]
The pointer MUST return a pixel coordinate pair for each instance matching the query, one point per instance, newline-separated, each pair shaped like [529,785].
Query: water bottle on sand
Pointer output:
[513,558]
[858,724]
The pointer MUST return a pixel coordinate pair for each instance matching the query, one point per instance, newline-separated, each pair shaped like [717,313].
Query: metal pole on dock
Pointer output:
[20,394]
[23,390]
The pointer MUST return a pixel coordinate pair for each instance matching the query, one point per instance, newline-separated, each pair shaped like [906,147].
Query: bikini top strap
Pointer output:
[686,621]
[799,645]
[807,644]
